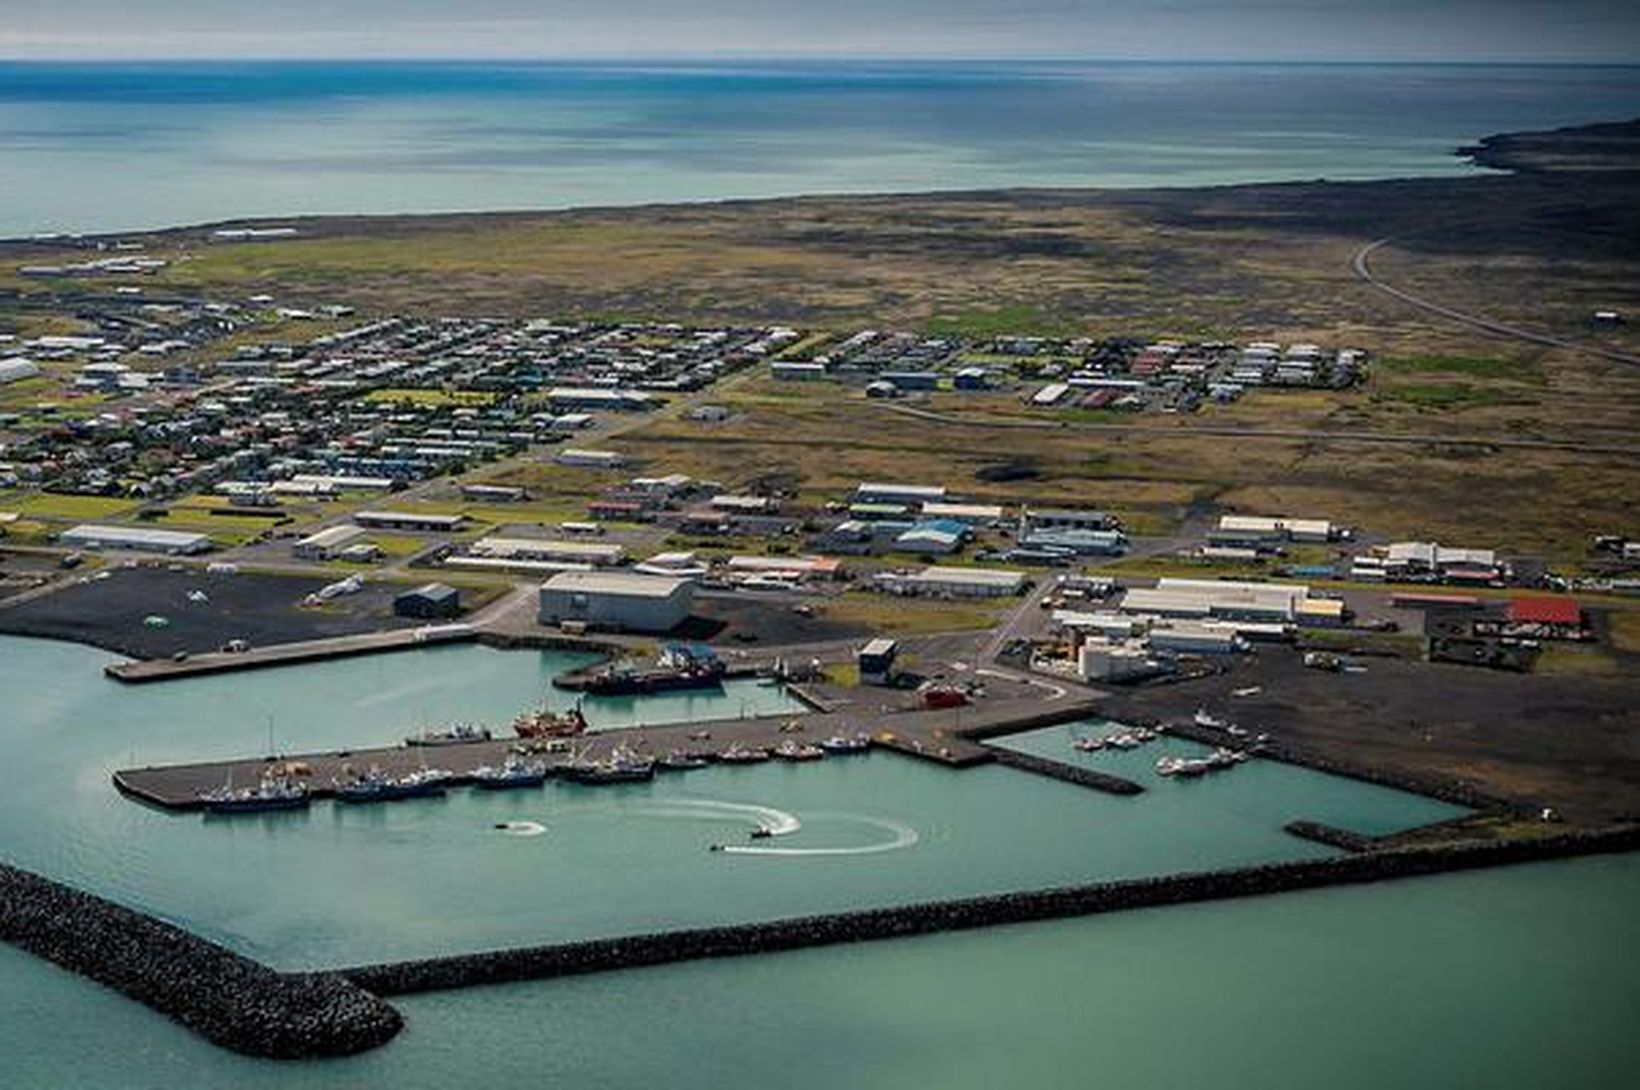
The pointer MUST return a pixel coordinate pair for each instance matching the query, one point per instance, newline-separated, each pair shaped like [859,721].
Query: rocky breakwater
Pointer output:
[600,955]
[230,1000]
[1059,770]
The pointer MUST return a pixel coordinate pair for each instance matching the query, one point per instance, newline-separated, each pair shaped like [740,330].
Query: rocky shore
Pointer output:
[232,1001]
[639,950]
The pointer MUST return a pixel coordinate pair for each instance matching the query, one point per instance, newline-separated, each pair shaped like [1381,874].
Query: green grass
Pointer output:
[51,505]
[1489,367]
[1450,395]
[1011,320]
[909,616]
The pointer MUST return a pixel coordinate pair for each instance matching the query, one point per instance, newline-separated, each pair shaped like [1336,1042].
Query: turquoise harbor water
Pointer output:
[339,885]
[1422,972]
[102,147]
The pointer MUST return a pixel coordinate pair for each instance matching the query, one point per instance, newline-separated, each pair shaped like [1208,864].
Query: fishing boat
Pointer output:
[679,762]
[1088,744]
[843,744]
[1204,718]
[680,666]
[737,754]
[542,723]
[460,734]
[621,766]
[793,750]
[375,786]
[273,793]
[514,772]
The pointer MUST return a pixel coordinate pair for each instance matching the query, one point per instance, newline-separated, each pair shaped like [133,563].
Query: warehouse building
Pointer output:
[1260,527]
[590,459]
[937,537]
[616,600]
[913,494]
[974,514]
[591,553]
[173,542]
[432,601]
[876,661]
[1066,519]
[326,544]
[1201,599]
[956,582]
[408,521]
[1077,542]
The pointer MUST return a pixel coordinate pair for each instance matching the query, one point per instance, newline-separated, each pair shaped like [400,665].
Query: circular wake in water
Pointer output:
[521,828]
[777,822]
[900,836]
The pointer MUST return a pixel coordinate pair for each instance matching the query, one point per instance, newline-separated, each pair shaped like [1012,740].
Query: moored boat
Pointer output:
[679,762]
[375,786]
[621,766]
[274,793]
[857,742]
[514,772]
[542,723]
[793,750]
[737,754]
[460,734]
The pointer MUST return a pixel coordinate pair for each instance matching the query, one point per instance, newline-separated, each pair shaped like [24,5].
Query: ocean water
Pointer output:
[1503,979]
[336,885]
[103,147]
[1512,979]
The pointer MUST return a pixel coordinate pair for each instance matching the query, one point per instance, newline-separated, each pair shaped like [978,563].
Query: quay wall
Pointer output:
[633,951]
[230,1000]
[1059,770]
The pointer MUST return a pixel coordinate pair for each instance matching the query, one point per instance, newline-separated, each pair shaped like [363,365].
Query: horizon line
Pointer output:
[749,58]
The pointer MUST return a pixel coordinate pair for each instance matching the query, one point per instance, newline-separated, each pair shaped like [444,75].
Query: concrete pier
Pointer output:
[288,654]
[926,734]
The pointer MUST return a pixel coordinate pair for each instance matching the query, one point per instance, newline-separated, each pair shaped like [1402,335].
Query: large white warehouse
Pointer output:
[617,600]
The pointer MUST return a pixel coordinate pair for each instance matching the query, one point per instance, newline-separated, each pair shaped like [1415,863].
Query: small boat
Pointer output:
[1203,718]
[273,793]
[460,734]
[737,754]
[793,750]
[514,772]
[542,723]
[844,744]
[679,762]
[762,832]
[1250,690]
[1123,740]
[1088,744]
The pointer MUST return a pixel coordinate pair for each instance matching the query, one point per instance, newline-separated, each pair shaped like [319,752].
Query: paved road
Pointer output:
[1361,264]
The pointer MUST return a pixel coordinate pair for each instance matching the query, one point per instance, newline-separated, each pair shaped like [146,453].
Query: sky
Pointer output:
[1336,30]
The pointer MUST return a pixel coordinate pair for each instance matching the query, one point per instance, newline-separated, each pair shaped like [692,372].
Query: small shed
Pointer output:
[433,601]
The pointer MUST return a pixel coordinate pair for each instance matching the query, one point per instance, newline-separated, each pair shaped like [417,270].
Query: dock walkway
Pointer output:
[286,654]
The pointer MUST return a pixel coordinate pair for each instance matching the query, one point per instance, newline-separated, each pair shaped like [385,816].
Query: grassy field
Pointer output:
[63,508]
[909,616]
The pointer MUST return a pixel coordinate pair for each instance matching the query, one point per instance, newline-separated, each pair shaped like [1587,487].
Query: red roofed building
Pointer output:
[1545,610]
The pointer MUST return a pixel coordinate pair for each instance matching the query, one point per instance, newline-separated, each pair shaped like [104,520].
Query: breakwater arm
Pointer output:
[230,1000]
[1069,773]
[628,952]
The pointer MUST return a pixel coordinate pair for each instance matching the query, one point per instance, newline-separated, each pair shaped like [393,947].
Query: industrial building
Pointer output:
[938,537]
[1260,528]
[798,568]
[175,542]
[616,600]
[956,582]
[590,459]
[326,544]
[409,521]
[876,661]
[784,369]
[590,553]
[567,399]
[1066,519]
[432,601]
[879,492]
[1077,542]
[1225,600]
[974,514]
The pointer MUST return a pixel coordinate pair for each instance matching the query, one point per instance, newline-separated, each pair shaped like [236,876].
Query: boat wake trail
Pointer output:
[521,828]
[777,822]
[900,836]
